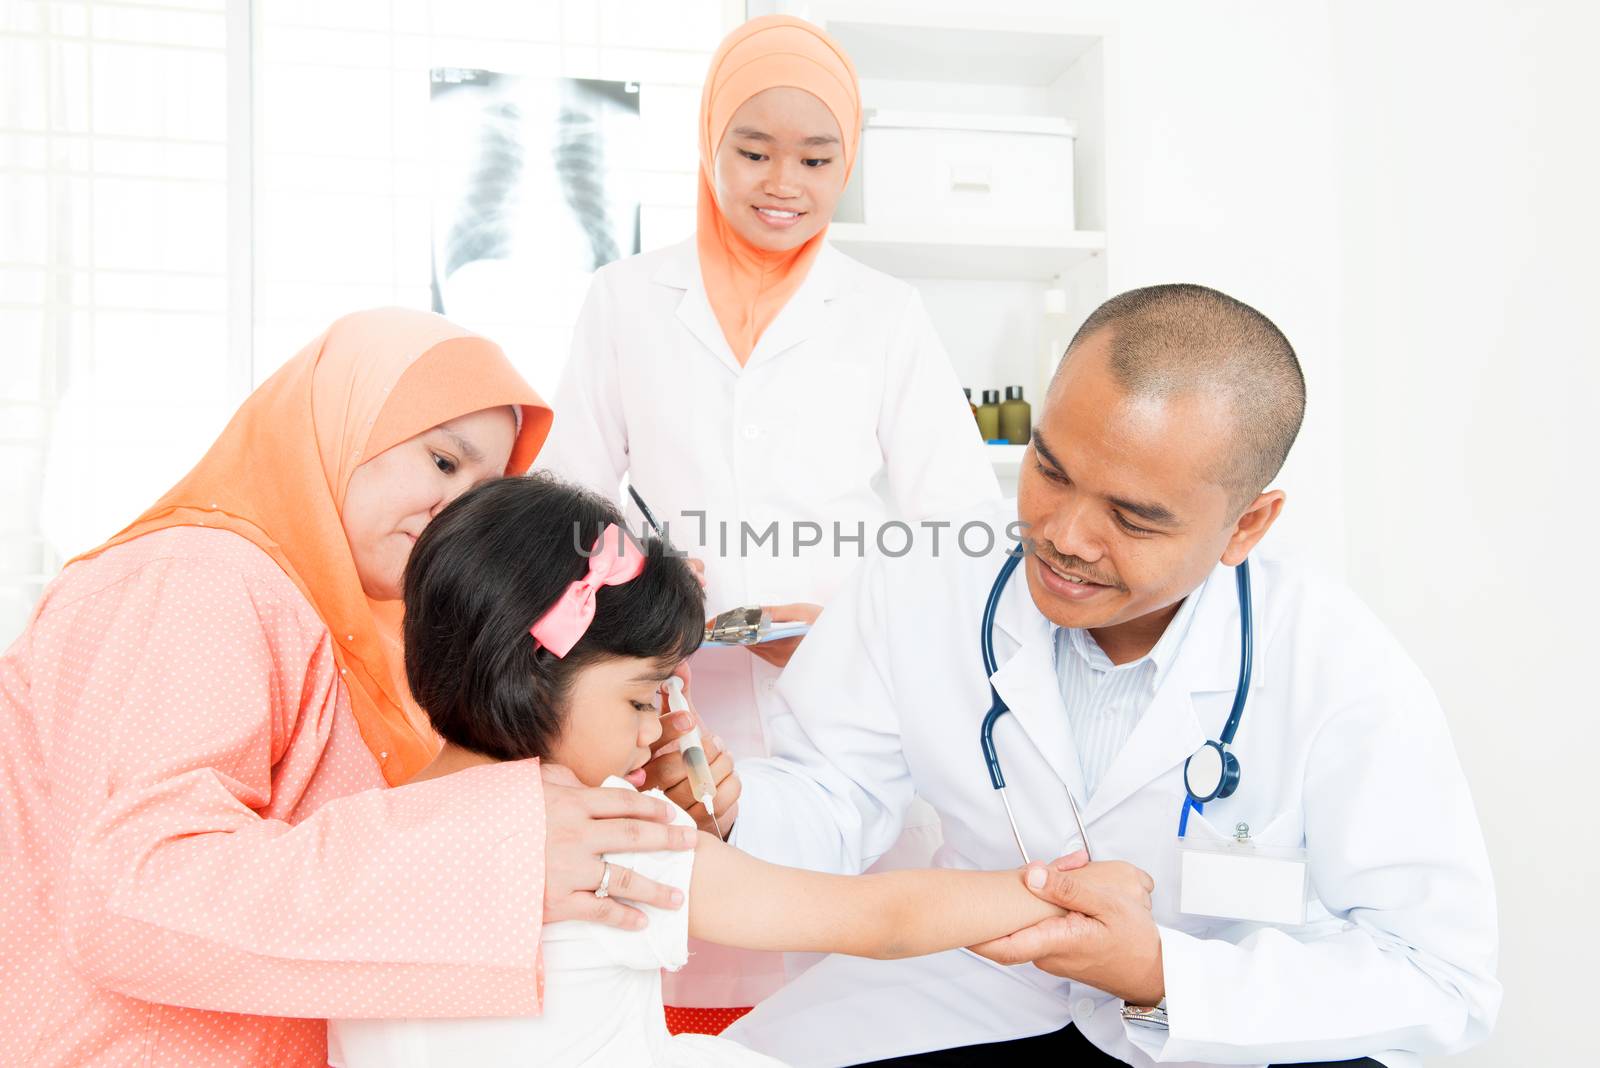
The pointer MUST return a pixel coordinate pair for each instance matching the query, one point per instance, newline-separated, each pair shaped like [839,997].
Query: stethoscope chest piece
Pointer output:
[1212,773]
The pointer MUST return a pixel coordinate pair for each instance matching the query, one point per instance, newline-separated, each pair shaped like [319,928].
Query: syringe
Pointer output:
[701,785]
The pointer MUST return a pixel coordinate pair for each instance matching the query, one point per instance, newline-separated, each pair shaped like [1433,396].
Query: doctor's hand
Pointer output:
[778,653]
[584,822]
[666,773]
[1108,939]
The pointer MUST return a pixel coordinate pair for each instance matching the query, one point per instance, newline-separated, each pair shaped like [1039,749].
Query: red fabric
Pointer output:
[702,1021]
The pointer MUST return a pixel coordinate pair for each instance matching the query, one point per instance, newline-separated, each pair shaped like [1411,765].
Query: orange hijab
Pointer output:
[748,286]
[278,475]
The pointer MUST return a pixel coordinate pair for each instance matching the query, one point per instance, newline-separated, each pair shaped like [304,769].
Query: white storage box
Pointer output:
[966,170]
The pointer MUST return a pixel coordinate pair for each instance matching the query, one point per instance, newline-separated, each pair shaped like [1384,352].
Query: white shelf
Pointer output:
[1005,457]
[989,252]
[936,47]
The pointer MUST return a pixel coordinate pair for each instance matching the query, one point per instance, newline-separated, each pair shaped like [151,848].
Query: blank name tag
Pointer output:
[1237,881]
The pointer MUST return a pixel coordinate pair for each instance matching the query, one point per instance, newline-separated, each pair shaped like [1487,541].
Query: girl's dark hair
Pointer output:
[485,570]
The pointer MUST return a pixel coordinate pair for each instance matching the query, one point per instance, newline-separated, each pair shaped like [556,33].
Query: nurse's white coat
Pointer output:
[847,397]
[1343,747]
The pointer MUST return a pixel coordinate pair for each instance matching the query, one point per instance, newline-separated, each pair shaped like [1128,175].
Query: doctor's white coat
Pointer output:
[1343,749]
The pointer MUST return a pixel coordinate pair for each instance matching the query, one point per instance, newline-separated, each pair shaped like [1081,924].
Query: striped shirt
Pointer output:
[1105,701]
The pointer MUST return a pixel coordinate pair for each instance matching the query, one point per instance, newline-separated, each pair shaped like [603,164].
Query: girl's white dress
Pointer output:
[602,1001]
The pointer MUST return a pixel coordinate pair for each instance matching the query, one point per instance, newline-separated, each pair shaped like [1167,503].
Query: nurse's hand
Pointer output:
[1108,939]
[584,822]
[778,653]
[666,773]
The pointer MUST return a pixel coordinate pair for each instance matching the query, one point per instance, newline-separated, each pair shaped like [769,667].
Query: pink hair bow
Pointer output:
[613,559]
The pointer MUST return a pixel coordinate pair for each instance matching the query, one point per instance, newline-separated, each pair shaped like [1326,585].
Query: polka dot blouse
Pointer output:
[198,860]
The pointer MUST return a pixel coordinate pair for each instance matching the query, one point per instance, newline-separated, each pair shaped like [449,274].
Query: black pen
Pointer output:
[649,517]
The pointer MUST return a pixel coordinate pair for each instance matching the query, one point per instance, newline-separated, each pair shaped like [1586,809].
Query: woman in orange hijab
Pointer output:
[774,401]
[200,862]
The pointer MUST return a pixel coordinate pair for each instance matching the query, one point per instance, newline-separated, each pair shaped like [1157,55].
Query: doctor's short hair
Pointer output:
[485,570]
[1171,340]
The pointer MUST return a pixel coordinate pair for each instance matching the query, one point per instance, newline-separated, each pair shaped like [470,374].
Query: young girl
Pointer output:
[536,627]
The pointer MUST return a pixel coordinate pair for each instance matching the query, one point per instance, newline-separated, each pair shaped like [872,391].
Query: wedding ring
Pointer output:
[603,890]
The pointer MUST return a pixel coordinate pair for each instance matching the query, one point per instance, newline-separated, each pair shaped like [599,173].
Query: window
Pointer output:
[115,362]
[190,190]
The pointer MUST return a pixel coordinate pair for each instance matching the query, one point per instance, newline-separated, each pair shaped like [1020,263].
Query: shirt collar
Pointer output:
[1161,656]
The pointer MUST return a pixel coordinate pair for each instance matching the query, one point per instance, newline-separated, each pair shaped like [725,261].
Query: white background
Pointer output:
[1408,188]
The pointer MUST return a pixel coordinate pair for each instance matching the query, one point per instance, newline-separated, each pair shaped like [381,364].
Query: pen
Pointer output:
[649,517]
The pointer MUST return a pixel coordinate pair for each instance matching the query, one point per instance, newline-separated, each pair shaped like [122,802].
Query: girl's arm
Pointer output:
[737,900]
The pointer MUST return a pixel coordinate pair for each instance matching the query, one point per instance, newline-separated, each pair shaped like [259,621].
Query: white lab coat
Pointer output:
[1343,747]
[847,397]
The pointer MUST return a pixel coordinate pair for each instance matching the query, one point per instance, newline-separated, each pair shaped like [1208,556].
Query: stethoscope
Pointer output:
[1211,772]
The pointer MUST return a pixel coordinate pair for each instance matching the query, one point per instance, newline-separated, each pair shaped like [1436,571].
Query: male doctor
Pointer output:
[1119,653]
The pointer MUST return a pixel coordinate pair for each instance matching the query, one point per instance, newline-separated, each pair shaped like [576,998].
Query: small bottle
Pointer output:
[974,407]
[989,415]
[1016,417]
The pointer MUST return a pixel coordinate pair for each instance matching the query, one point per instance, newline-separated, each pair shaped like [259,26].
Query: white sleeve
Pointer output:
[664,942]
[588,442]
[1398,857]
[836,812]
[935,457]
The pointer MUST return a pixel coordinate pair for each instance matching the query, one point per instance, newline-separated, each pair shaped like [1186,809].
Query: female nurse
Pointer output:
[761,390]
[200,859]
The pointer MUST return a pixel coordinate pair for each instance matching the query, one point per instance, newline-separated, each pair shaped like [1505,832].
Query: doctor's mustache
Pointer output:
[1075,565]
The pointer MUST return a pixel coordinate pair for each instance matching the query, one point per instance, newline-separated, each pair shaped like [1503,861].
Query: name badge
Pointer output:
[1239,880]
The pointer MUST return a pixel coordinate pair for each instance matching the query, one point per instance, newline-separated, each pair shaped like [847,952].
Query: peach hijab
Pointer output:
[278,475]
[748,286]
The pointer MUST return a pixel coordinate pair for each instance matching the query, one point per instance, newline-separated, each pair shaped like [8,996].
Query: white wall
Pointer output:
[1222,172]
[1469,177]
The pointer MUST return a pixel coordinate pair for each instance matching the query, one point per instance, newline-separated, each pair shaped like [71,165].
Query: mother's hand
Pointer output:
[584,822]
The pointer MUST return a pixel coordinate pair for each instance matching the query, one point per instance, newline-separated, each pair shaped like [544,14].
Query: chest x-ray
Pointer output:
[534,188]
